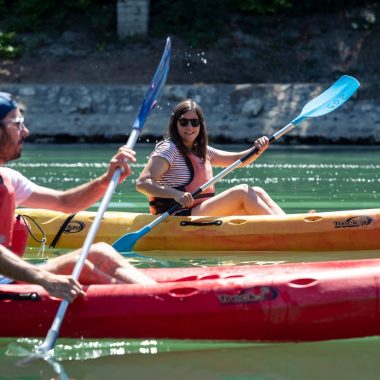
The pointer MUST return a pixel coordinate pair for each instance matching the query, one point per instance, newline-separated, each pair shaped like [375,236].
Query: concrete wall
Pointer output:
[132,17]
[234,113]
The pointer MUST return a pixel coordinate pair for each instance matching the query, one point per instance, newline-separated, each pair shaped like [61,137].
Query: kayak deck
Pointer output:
[328,231]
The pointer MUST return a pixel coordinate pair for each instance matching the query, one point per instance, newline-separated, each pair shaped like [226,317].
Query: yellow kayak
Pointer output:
[326,231]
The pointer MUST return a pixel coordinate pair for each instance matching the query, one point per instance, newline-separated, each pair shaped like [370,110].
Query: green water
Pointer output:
[299,179]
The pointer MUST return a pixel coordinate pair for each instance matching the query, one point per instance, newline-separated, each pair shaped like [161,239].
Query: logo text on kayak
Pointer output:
[74,227]
[251,295]
[355,221]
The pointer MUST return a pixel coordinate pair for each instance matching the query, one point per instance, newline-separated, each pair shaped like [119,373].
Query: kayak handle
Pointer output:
[33,296]
[184,223]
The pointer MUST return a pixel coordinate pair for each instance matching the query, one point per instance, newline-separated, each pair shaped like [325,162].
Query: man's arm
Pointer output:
[83,196]
[16,268]
[72,200]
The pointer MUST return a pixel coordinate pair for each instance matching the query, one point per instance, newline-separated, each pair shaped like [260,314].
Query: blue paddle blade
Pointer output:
[155,87]
[329,100]
[126,242]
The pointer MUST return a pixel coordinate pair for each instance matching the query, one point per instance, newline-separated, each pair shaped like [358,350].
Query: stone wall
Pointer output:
[234,113]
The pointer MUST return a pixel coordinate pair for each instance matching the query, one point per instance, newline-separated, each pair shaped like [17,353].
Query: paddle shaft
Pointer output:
[238,162]
[149,103]
[54,330]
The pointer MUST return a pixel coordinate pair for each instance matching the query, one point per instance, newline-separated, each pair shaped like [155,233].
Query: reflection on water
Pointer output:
[174,259]
[344,359]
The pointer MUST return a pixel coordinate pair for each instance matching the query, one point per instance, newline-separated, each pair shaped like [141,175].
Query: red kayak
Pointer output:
[287,302]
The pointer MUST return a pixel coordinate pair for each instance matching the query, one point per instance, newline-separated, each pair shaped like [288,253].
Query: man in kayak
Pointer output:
[104,264]
[183,162]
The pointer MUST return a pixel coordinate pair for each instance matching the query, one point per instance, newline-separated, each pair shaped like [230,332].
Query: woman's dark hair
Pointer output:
[201,142]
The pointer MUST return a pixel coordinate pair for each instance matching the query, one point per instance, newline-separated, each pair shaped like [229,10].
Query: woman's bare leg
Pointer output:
[241,199]
[272,205]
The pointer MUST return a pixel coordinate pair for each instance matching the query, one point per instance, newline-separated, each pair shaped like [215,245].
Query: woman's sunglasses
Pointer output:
[183,122]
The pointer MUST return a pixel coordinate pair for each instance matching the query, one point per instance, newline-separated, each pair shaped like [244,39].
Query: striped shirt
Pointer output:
[178,173]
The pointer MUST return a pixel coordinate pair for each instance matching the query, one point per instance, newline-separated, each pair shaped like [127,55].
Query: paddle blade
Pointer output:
[155,87]
[331,99]
[126,242]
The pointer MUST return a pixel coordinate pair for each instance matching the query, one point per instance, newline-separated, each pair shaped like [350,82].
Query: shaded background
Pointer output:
[214,41]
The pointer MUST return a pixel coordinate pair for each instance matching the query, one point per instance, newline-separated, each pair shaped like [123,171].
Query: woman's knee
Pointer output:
[241,190]
[259,191]
[249,191]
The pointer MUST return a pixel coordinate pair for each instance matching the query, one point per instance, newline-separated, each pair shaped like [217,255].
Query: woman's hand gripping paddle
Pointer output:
[326,102]
[149,103]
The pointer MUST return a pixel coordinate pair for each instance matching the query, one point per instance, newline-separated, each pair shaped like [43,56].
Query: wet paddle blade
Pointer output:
[331,99]
[155,88]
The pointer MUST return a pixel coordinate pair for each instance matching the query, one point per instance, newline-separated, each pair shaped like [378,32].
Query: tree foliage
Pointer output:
[194,20]
[261,6]
[53,15]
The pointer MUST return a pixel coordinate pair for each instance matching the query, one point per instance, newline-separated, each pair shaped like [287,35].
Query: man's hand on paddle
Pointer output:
[120,160]
[61,286]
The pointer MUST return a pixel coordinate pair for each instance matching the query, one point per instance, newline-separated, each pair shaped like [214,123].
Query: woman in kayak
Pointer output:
[183,162]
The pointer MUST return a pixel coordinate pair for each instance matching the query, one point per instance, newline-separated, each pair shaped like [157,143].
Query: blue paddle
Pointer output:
[149,103]
[326,102]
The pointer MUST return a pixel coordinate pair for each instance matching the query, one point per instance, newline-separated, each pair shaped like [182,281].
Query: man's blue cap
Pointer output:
[7,104]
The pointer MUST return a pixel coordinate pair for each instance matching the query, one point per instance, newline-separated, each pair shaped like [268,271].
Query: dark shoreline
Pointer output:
[146,139]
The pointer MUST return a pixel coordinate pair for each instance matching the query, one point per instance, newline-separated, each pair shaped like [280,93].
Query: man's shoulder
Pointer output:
[14,176]
[10,173]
